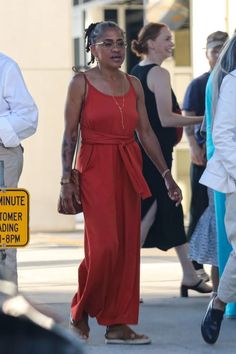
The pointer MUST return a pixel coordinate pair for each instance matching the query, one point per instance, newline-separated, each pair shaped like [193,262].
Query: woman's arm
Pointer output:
[198,153]
[73,106]
[158,81]
[151,144]
[74,101]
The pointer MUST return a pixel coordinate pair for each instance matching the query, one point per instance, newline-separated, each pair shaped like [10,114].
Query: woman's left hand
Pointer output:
[173,189]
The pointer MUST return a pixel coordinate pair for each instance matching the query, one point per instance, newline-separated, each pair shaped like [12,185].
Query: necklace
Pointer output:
[121,108]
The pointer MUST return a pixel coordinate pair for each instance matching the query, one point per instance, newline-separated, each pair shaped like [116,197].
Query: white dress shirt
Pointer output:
[18,112]
[220,172]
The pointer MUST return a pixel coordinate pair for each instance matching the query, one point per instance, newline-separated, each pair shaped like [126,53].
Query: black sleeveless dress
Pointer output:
[167,230]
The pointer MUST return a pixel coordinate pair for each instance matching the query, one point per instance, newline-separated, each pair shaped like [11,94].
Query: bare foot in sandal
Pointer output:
[123,334]
[81,327]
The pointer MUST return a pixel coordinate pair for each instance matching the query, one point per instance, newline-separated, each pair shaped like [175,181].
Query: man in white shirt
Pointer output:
[18,120]
[220,175]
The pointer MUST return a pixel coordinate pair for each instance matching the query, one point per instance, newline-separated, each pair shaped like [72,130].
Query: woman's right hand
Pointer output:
[173,189]
[70,196]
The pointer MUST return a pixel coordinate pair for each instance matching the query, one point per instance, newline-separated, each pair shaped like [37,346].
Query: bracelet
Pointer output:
[165,173]
[65,181]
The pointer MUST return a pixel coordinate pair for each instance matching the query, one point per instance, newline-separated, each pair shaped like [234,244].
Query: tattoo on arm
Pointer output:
[68,150]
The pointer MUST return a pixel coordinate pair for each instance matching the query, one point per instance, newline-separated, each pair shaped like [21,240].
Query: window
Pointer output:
[176,14]
[182,47]
[182,38]
[110,15]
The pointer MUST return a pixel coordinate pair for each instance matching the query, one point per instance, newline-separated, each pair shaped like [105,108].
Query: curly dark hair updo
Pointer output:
[95,31]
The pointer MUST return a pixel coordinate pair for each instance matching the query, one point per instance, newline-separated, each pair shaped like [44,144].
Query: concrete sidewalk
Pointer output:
[48,276]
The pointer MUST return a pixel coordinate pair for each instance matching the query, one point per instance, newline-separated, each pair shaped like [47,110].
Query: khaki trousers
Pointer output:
[227,286]
[13,163]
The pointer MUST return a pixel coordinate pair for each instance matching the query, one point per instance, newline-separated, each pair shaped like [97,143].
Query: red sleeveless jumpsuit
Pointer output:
[111,186]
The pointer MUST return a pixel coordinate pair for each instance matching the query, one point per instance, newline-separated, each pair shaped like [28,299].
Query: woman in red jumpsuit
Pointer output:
[111,185]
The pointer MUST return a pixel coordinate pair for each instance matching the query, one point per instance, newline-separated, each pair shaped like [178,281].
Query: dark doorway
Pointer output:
[134,22]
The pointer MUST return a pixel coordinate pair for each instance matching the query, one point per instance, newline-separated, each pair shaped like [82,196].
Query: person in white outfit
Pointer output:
[220,175]
[18,120]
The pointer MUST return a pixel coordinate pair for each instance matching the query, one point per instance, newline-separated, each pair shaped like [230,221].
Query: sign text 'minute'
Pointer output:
[12,200]
[14,218]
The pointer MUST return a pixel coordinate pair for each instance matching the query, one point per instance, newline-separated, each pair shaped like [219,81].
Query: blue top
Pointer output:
[208,119]
[194,100]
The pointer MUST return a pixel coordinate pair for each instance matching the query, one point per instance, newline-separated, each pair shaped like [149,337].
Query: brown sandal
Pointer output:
[122,334]
[81,327]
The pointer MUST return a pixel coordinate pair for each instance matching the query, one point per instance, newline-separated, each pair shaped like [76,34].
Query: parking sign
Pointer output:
[14,218]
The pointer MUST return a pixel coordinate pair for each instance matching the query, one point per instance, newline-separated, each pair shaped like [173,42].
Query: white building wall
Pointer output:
[207,17]
[38,35]
[231,14]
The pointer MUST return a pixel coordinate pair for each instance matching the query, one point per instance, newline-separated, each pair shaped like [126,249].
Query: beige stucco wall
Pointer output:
[37,34]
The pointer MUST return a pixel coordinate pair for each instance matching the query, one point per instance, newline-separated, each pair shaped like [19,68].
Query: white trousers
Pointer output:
[13,164]
[227,286]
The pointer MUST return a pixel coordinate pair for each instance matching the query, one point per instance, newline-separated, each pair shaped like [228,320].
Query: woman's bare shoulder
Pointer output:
[78,77]
[158,77]
[136,83]
[159,71]
[78,81]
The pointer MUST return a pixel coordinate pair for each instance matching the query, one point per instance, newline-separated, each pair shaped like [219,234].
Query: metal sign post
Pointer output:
[2,187]
[14,216]
[2,174]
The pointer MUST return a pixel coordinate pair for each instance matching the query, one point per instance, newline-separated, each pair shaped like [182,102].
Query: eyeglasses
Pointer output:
[110,44]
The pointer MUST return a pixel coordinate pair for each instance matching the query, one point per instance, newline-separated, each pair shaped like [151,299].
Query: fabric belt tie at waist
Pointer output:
[128,156]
